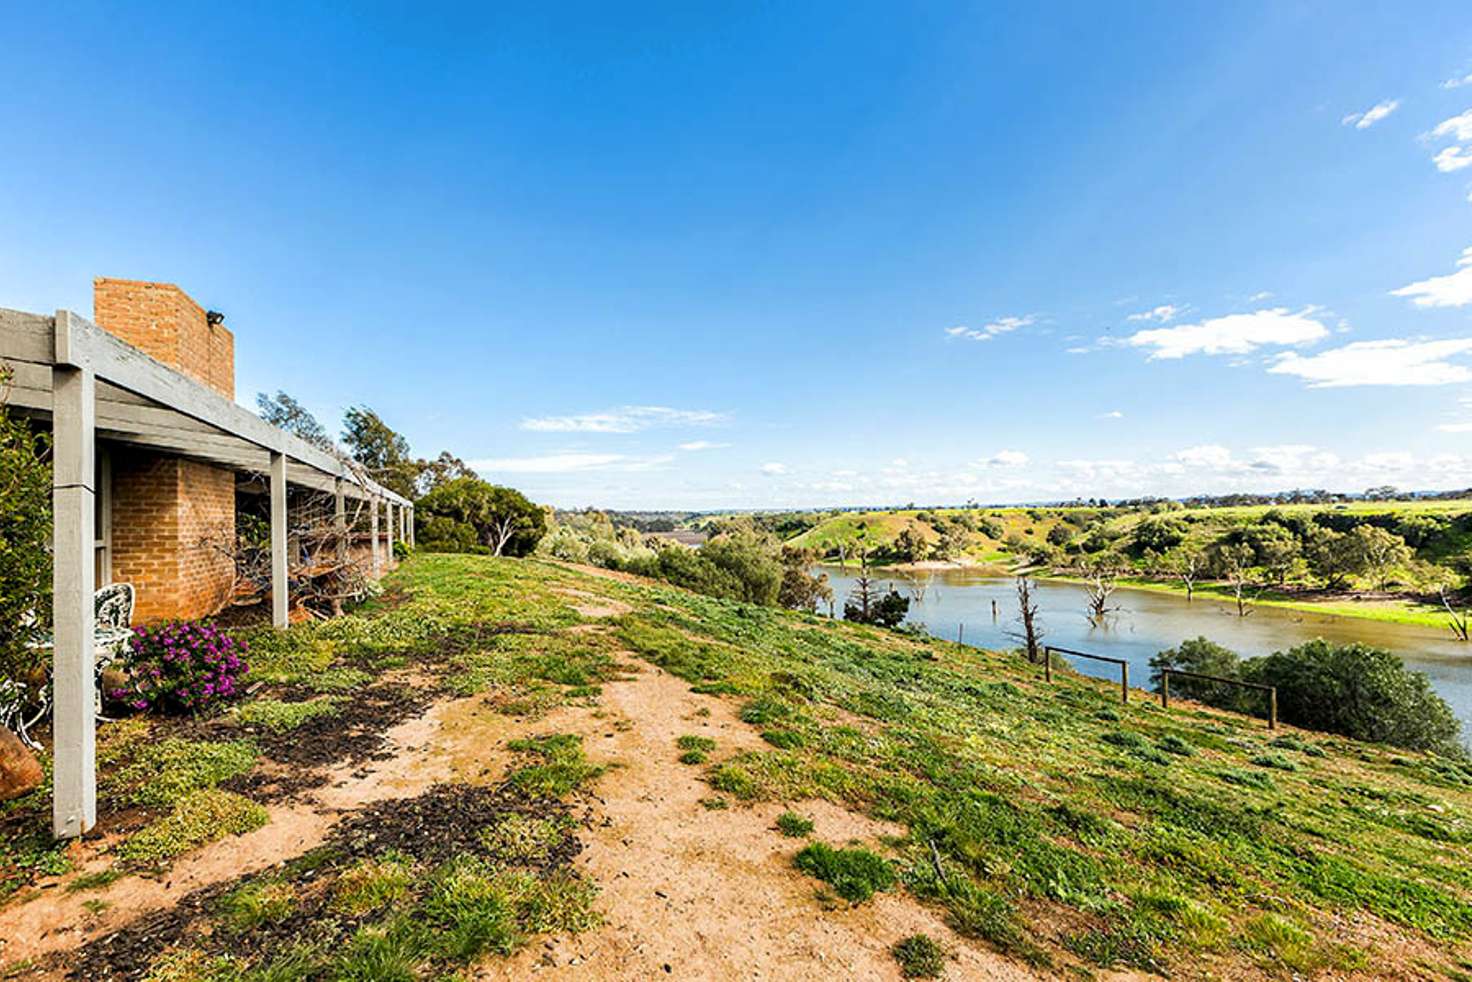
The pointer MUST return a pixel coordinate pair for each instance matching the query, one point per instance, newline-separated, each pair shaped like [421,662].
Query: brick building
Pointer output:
[152,463]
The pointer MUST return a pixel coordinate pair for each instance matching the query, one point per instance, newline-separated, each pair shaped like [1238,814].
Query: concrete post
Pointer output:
[73,422]
[388,545]
[280,602]
[340,520]
[373,531]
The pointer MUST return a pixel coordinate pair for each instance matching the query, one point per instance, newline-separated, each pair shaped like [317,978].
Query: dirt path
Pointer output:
[686,891]
[57,921]
[694,893]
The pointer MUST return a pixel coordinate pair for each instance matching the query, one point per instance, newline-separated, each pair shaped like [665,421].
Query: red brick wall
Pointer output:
[163,321]
[167,510]
[169,516]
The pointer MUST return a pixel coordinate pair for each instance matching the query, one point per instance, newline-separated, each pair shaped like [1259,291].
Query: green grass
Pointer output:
[560,766]
[1047,803]
[280,717]
[855,874]
[1047,821]
[920,957]
[164,773]
[197,818]
[794,826]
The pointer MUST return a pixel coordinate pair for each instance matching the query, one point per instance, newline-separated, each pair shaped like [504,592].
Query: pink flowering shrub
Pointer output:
[181,667]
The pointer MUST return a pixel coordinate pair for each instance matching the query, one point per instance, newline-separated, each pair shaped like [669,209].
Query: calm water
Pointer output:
[1151,622]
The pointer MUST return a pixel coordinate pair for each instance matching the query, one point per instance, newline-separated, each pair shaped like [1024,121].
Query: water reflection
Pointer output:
[981,610]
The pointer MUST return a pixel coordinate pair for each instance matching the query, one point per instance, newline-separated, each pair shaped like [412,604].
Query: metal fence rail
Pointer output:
[1271,690]
[1124,667]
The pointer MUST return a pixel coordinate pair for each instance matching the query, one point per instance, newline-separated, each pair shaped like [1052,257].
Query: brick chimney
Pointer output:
[163,321]
[169,513]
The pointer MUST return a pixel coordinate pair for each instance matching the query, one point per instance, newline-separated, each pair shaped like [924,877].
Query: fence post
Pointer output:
[1273,708]
[1165,689]
[1047,663]
[1124,682]
[961,634]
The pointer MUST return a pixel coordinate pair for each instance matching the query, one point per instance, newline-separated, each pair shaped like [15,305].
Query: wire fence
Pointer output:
[1165,676]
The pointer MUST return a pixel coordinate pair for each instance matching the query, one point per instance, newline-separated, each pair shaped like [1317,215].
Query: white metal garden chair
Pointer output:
[112,609]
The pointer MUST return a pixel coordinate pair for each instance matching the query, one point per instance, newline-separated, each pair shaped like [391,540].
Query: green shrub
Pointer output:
[920,956]
[25,546]
[1358,691]
[854,874]
[793,825]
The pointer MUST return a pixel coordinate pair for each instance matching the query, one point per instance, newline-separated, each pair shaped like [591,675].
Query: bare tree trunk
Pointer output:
[1031,633]
[1458,622]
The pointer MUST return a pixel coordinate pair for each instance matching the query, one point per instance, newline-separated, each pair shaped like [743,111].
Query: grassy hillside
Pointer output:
[986,543]
[1146,544]
[1046,822]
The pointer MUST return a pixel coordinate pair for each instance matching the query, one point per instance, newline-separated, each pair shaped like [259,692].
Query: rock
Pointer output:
[20,772]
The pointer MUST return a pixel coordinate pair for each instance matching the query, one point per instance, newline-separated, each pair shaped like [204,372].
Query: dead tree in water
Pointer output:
[1189,564]
[1458,622]
[1099,592]
[1029,631]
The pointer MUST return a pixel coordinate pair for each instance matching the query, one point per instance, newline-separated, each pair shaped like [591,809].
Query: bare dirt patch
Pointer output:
[55,920]
[696,893]
[593,606]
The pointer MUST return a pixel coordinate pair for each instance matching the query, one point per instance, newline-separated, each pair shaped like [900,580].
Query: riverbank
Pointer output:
[1385,609]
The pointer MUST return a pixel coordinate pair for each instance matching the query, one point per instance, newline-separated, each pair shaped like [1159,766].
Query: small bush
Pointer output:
[854,874]
[1276,761]
[1173,744]
[693,757]
[182,667]
[793,825]
[920,957]
[784,739]
[690,742]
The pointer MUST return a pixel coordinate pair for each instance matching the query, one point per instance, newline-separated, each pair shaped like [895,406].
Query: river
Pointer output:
[1149,622]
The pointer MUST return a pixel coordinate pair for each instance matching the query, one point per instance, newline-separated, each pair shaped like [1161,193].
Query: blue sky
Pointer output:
[765,255]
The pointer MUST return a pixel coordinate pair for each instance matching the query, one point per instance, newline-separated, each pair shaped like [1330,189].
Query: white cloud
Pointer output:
[1260,296]
[1394,460]
[1452,290]
[1112,414]
[774,469]
[1002,325]
[1209,455]
[1371,116]
[1458,128]
[1393,361]
[1452,159]
[561,463]
[1235,334]
[1291,458]
[1455,427]
[703,445]
[1162,314]
[624,419]
[1007,458]
[1456,83]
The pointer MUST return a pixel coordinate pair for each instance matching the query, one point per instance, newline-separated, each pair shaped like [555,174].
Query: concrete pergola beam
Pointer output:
[90,383]
[280,601]
[74,798]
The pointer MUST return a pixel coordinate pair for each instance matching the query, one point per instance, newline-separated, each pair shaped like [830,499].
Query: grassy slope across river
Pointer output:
[992,553]
[1032,828]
